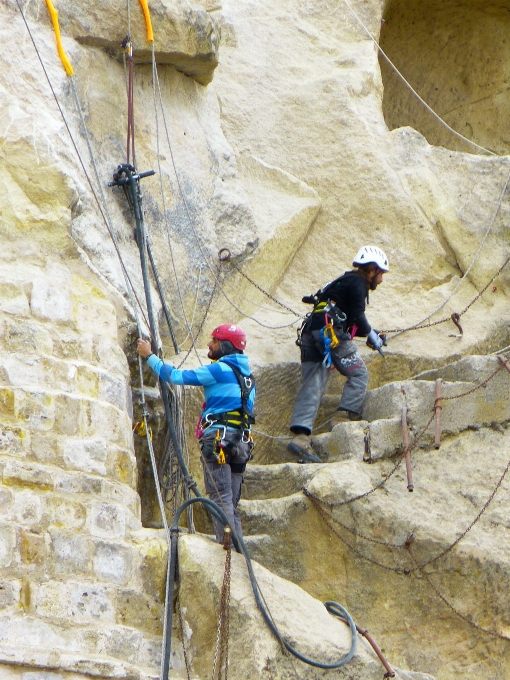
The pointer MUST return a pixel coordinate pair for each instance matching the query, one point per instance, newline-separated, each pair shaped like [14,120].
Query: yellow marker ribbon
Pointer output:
[63,57]
[148,22]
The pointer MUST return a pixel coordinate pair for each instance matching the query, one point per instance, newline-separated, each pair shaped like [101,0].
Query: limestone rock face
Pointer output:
[253,650]
[286,161]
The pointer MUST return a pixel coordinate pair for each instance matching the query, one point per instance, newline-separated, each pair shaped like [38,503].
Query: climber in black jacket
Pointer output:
[338,316]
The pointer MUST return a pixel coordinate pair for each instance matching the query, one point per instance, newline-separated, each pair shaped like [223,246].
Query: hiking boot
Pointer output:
[343,417]
[300,446]
[339,417]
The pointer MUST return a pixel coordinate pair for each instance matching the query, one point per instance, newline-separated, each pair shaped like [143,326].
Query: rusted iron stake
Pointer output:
[438,407]
[390,672]
[505,363]
[405,441]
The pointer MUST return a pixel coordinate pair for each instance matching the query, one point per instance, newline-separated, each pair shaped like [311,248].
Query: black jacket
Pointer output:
[350,293]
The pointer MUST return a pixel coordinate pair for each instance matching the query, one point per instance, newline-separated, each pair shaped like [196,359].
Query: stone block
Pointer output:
[13,299]
[52,294]
[7,402]
[36,409]
[153,554]
[68,415]
[97,314]
[28,507]
[138,611]
[28,475]
[113,390]
[44,446]
[59,375]
[106,520]
[33,549]
[7,545]
[90,602]
[123,466]
[74,602]
[87,455]
[28,337]
[24,370]
[385,438]
[88,381]
[98,418]
[65,513]
[123,643]
[71,553]
[112,562]
[6,500]
[77,483]
[14,441]
[73,346]
[9,593]
[122,494]
[346,440]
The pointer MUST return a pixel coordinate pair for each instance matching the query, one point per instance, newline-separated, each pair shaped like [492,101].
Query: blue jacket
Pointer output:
[221,388]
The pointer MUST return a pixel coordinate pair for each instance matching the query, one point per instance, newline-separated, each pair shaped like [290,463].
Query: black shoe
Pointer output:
[300,446]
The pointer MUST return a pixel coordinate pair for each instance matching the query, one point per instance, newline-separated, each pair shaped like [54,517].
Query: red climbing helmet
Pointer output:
[228,331]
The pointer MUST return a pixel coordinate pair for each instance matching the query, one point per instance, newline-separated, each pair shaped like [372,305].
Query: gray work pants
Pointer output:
[314,380]
[222,484]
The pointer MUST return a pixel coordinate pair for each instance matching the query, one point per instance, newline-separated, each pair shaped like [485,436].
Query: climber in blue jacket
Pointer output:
[226,418]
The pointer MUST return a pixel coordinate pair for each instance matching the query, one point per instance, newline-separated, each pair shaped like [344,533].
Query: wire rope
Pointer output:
[411,88]
[468,270]
[192,224]
[156,85]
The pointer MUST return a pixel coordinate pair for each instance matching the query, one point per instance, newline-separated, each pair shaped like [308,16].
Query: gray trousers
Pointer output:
[314,380]
[222,485]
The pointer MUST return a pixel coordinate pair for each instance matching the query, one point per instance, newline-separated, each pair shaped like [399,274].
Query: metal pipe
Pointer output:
[405,441]
[505,363]
[438,409]
[390,673]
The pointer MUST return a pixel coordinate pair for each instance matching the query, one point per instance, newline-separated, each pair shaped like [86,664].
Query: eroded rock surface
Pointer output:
[286,160]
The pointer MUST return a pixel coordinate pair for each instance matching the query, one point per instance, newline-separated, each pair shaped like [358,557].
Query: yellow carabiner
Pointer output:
[218,450]
[331,331]
[140,429]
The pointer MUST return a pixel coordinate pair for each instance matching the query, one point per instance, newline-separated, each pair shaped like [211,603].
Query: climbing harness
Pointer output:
[238,419]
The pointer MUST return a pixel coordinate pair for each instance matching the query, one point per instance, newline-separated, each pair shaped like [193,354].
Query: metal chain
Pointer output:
[456,315]
[184,652]
[473,389]
[335,504]
[443,599]
[222,636]
[224,255]
[464,533]
[366,558]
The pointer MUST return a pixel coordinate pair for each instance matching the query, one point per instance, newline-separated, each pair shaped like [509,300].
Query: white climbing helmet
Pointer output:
[373,254]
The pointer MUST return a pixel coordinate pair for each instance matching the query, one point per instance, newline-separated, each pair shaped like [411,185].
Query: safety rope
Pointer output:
[131,291]
[411,88]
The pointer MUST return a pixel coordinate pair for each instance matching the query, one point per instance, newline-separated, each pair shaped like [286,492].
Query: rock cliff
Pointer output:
[277,131]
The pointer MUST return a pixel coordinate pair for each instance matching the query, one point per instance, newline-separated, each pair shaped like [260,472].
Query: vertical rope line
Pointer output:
[155,80]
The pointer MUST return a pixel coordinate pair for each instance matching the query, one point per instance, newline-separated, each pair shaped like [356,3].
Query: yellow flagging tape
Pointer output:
[148,22]
[60,47]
